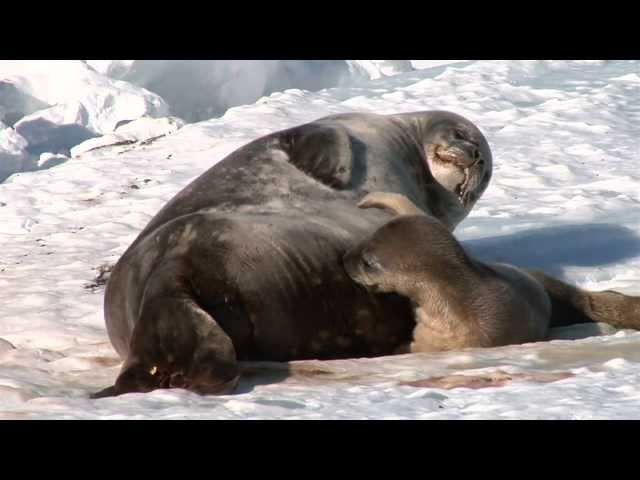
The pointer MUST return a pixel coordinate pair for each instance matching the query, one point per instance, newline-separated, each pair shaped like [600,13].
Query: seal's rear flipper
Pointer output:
[134,377]
[176,343]
[571,305]
[105,392]
[581,330]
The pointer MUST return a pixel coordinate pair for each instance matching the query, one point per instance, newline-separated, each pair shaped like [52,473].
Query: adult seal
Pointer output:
[245,263]
[458,301]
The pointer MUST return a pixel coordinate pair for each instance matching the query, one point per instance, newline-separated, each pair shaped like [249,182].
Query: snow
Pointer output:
[105,100]
[421,64]
[197,90]
[57,104]
[111,68]
[200,89]
[140,130]
[374,69]
[48,160]
[564,197]
[15,103]
[13,152]
[55,129]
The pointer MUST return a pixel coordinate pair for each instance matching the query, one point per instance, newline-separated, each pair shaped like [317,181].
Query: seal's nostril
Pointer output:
[476,154]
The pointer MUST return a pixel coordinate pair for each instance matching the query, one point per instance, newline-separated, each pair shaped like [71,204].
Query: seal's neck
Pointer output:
[445,298]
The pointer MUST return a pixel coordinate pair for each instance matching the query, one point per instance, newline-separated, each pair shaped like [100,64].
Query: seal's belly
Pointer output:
[278,288]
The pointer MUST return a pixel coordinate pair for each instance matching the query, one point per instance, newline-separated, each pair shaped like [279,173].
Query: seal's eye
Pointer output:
[458,134]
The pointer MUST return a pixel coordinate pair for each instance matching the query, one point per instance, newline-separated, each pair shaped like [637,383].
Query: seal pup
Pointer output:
[458,301]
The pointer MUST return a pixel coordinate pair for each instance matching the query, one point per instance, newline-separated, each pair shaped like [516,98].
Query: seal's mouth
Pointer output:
[463,190]
[453,155]
[469,163]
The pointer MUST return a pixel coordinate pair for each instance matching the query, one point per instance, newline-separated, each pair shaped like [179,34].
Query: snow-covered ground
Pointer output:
[48,107]
[564,197]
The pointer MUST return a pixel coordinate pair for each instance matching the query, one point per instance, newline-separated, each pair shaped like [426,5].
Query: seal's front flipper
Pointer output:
[395,203]
[323,152]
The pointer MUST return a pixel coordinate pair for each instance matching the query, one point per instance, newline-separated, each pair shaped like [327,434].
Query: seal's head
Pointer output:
[458,156]
[405,255]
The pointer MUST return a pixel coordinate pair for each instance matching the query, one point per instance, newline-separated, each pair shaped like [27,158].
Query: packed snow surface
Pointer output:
[13,152]
[73,84]
[54,106]
[200,89]
[48,107]
[564,197]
